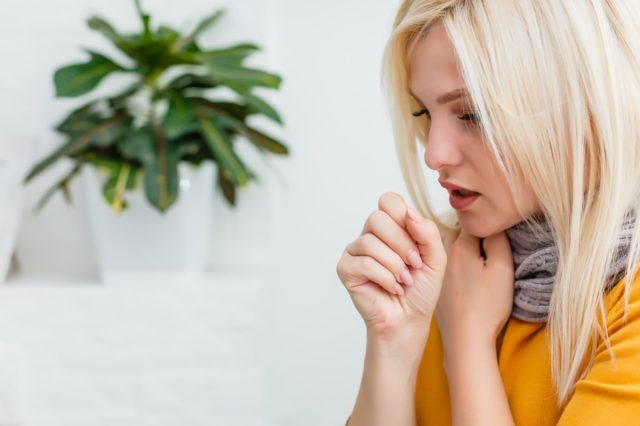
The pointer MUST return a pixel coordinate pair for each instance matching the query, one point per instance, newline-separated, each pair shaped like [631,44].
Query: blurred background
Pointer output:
[267,335]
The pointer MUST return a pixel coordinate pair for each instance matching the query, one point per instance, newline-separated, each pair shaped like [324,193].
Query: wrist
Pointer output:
[405,346]
[468,335]
[466,348]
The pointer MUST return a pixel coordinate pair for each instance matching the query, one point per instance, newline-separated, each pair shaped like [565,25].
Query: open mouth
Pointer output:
[461,193]
[460,199]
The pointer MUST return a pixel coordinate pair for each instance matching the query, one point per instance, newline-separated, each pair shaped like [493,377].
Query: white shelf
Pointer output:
[87,353]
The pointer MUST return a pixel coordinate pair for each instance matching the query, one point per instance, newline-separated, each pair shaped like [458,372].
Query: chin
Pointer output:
[478,226]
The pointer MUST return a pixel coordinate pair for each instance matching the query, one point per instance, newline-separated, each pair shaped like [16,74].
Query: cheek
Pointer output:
[494,212]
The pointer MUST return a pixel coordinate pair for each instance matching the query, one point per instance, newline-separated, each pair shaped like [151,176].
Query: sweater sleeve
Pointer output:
[610,392]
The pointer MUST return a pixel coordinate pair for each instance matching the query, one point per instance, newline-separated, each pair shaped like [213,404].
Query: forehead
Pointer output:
[434,65]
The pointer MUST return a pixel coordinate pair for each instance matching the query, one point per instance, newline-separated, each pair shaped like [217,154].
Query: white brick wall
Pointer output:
[87,354]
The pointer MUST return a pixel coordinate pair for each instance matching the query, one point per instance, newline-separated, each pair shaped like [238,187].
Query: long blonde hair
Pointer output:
[556,84]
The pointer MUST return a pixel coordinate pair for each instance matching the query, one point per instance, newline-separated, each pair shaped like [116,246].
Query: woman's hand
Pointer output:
[394,269]
[477,293]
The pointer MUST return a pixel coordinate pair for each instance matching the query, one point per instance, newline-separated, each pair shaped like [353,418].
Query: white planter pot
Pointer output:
[142,245]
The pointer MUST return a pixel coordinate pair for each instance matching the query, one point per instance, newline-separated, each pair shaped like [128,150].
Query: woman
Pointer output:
[517,310]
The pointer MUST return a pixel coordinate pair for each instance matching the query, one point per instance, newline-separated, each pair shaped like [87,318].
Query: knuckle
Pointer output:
[340,265]
[368,265]
[389,198]
[340,262]
[431,228]
[351,248]
[367,240]
[374,218]
[396,272]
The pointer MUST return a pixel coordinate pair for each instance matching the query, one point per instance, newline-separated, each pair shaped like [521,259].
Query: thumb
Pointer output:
[427,236]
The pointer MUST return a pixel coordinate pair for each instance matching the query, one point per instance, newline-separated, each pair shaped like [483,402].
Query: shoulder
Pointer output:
[615,306]
[610,391]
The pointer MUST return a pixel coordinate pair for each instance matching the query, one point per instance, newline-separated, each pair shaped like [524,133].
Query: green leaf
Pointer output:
[180,117]
[222,150]
[138,145]
[241,78]
[188,147]
[261,106]
[103,27]
[119,101]
[192,81]
[78,79]
[76,144]
[228,190]
[255,105]
[62,185]
[240,112]
[144,17]
[154,54]
[112,134]
[83,118]
[205,24]
[261,140]
[119,178]
[229,56]
[166,34]
[159,162]
[265,141]
[80,121]
[161,174]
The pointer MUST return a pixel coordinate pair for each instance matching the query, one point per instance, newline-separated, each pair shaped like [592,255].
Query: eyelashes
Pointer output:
[423,111]
[470,116]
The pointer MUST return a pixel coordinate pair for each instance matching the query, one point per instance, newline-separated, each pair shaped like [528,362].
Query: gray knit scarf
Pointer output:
[535,261]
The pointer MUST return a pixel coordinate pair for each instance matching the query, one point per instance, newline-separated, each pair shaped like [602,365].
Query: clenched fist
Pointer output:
[394,270]
[477,293]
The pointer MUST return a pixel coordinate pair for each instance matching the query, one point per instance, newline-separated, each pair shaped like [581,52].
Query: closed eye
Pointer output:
[423,111]
[473,117]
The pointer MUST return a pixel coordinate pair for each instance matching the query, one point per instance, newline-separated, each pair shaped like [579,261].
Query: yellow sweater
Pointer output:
[606,396]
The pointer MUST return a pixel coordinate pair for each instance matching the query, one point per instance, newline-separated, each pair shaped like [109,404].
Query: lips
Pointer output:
[457,189]
[460,202]
[459,197]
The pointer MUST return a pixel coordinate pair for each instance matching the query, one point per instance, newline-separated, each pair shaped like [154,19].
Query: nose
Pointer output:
[441,150]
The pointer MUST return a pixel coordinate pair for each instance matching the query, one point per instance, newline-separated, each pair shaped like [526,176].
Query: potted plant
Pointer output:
[159,138]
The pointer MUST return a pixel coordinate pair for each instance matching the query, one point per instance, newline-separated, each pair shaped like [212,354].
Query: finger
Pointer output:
[394,205]
[427,235]
[386,229]
[370,245]
[366,268]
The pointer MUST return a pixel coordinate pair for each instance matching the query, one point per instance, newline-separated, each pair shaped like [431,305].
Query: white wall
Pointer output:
[294,227]
[344,160]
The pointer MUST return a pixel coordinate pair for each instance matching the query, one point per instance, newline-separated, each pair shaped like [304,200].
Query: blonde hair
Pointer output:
[557,87]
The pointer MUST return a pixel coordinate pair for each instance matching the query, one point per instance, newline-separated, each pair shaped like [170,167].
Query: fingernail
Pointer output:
[406,277]
[414,215]
[399,289]
[414,259]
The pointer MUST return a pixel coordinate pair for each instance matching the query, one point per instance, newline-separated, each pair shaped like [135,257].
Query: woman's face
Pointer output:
[455,148]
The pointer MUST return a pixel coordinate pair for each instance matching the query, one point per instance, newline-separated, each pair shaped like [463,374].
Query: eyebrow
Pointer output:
[447,97]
